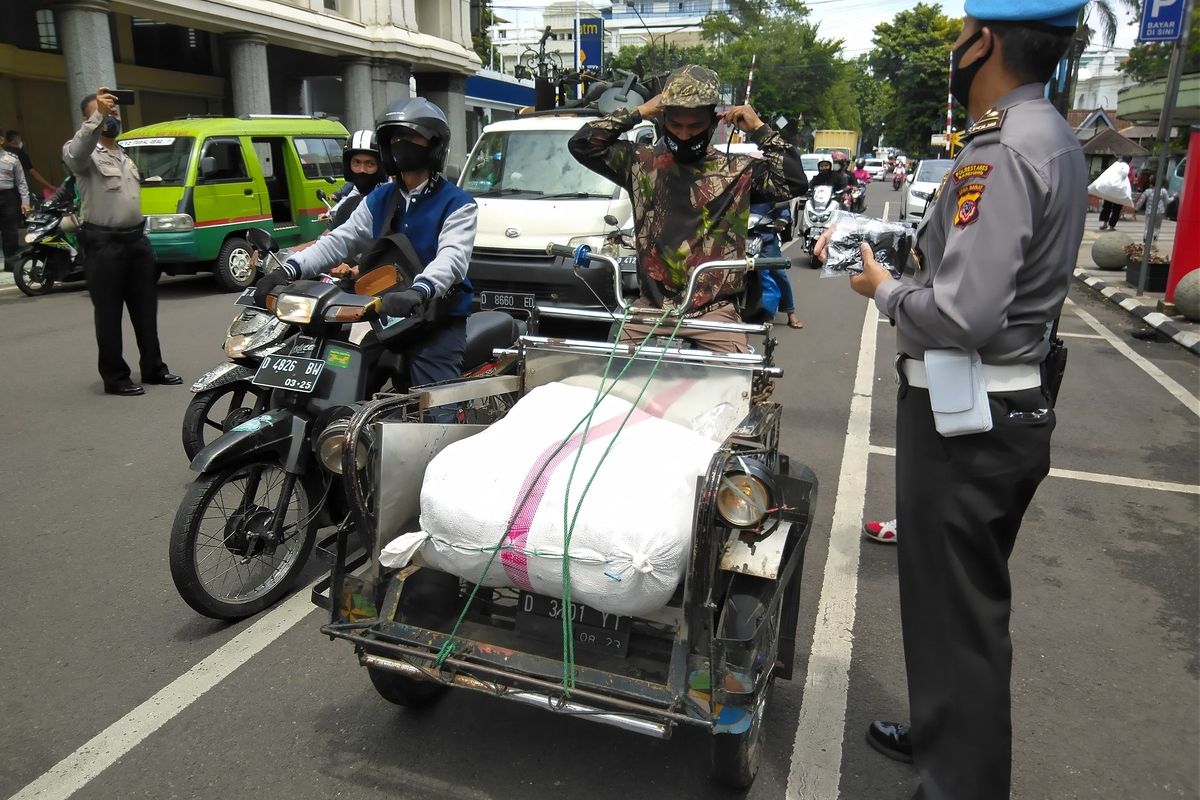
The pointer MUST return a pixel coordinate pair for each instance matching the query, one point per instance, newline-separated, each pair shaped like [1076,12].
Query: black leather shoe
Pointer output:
[166,379]
[125,390]
[891,739]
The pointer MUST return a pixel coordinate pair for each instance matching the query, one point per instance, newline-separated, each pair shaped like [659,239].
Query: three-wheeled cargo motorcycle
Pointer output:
[708,658]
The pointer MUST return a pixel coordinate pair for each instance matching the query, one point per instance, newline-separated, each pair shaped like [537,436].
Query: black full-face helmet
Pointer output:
[419,116]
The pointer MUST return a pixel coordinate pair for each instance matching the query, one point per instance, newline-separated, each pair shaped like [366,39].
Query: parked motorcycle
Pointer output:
[247,523]
[818,214]
[54,255]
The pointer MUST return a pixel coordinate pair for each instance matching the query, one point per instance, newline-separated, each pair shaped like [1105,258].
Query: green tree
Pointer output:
[873,97]
[480,38]
[912,54]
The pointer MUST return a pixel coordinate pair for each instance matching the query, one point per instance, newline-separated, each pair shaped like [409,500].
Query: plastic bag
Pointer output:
[1113,185]
[890,241]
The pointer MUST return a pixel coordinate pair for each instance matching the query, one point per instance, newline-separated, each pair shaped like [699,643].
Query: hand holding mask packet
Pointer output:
[890,241]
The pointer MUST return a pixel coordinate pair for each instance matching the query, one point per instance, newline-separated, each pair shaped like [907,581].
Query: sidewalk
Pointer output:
[1110,283]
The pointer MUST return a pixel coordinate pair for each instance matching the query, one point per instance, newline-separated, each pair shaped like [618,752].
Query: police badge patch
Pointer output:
[968,204]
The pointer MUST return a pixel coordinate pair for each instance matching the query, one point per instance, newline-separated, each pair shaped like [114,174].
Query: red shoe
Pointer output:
[881,531]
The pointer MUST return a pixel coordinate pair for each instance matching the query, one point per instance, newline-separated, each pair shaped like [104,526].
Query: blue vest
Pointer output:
[422,223]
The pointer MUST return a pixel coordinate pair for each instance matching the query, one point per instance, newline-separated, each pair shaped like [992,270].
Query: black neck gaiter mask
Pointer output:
[688,151]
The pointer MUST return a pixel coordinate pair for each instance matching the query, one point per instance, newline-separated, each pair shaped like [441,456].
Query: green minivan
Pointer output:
[207,180]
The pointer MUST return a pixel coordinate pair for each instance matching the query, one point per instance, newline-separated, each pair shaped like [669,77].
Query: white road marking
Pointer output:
[816,769]
[1189,400]
[105,748]
[1091,477]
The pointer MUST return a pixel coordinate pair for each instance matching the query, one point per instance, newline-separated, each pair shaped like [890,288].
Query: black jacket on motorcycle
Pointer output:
[835,179]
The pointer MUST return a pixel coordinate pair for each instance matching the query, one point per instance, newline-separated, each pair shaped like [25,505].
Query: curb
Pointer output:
[1155,319]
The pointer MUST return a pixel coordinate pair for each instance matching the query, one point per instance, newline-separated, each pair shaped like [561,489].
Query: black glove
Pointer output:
[266,283]
[405,303]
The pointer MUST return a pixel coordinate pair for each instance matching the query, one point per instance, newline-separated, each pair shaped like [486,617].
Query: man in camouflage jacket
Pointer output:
[691,203]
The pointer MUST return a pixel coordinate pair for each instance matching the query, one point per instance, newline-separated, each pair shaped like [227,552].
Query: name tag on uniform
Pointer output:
[957,392]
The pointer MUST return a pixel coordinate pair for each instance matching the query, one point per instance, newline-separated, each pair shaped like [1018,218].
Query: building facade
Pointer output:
[346,58]
[1099,81]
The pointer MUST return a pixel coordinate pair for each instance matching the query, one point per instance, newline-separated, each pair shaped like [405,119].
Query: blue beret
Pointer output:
[1056,13]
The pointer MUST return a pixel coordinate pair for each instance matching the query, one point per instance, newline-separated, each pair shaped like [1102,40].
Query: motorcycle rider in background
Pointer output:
[827,177]
[439,220]
[771,249]
[362,171]
[860,173]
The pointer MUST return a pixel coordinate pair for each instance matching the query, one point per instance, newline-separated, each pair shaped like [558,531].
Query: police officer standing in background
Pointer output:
[996,256]
[120,264]
[14,203]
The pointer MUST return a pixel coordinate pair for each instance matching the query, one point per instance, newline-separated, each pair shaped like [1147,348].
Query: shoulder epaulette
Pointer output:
[991,121]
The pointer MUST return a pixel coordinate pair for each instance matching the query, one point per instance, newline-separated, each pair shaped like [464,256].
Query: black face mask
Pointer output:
[110,127]
[687,151]
[962,77]
[364,182]
[410,157]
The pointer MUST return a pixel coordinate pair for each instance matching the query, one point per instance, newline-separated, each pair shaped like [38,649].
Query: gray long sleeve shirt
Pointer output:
[12,176]
[109,183]
[999,246]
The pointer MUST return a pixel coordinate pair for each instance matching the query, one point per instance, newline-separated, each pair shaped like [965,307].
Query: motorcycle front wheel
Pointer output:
[32,275]
[225,559]
[219,410]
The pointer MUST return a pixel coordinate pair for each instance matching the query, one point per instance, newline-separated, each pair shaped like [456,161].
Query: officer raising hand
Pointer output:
[997,250]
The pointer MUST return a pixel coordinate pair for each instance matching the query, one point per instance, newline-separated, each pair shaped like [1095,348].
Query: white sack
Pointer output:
[632,540]
[1113,185]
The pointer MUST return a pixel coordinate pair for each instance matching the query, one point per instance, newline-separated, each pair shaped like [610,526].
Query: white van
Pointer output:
[531,191]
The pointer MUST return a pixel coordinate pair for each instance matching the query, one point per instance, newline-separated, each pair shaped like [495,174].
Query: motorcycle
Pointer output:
[857,195]
[54,254]
[759,226]
[248,521]
[818,215]
[897,179]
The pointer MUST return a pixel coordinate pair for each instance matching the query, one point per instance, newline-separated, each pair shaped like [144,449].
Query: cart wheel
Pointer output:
[736,756]
[404,691]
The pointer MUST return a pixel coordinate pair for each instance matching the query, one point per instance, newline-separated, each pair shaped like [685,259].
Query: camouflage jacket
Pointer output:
[686,214]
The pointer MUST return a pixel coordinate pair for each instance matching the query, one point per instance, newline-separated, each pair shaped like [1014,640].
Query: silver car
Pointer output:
[922,183]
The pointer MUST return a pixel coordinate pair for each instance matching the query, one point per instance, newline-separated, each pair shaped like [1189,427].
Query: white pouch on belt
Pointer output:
[957,392]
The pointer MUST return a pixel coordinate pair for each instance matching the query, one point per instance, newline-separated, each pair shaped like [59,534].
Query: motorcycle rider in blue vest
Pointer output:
[436,216]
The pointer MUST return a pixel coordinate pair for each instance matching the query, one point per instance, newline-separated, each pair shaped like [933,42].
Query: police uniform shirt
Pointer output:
[108,180]
[12,176]
[998,250]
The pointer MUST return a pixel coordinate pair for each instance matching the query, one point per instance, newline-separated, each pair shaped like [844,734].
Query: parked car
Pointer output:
[922,182]
[810,161]
[206,181]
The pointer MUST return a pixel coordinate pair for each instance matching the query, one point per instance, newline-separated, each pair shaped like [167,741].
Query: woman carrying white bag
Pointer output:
[1113,188]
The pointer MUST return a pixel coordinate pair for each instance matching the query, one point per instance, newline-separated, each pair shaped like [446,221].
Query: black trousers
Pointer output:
[10,223]
[123,274]
[959,503]
[1110,213]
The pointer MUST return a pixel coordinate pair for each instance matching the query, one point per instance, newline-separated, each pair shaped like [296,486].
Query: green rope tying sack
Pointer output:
[448,647]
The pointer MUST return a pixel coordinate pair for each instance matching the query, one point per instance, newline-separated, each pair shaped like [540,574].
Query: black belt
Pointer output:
[104,233]
[91,226]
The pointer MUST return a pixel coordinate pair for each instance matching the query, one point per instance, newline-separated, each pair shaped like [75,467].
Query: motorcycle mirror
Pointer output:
[330,179]
[261,241]
[609,219]
[321,195]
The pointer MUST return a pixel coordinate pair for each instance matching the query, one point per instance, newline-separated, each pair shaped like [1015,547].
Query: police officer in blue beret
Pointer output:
[973,326]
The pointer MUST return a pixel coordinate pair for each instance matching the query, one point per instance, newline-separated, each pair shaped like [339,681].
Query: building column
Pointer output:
[248,73]
[389,82]
[449,92]
[356,88]
[87,48]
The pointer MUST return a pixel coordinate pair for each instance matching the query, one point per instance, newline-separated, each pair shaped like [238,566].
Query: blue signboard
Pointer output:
[1162,20]
[589,54]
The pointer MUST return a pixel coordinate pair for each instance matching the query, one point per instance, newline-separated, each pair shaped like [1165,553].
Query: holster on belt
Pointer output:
[1054,367]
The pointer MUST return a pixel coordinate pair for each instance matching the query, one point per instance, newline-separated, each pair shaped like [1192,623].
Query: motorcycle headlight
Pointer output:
[753,246]
[170,222]
[32,236]
[745,495]
[295,308]
[329,444]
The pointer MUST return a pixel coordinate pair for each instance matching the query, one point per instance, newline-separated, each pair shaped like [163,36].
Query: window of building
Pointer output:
[320,158]
[166,46]
[46,30]
[331,5]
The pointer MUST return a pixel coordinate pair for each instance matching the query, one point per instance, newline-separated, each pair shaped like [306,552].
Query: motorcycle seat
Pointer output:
[486,331]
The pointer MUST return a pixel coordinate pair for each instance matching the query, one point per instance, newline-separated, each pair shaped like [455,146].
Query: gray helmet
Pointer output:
[692,86]
[417,115]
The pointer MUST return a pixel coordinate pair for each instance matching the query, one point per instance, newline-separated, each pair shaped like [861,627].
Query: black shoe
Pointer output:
[125,390]
[891,739]
[165,379]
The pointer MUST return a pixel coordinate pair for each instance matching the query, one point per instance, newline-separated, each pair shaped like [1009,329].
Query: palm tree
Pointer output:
[1098,16]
